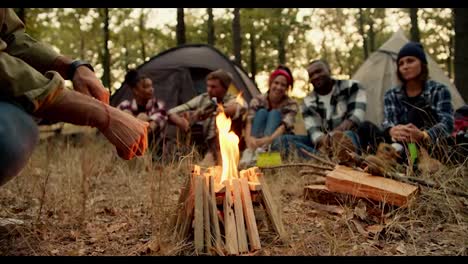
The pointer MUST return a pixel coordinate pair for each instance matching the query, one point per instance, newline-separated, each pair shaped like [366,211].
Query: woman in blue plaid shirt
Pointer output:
[418,110]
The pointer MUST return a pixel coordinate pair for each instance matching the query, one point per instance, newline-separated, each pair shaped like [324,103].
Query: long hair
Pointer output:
[423,76]
[133,77]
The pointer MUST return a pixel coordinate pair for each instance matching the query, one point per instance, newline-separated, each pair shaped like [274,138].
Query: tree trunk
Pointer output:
[461,51]
[281,49]
[414,25]
[126,55]
[371,35]
[180,30]
[210,25]
[236,36]
[253,59]
[361,31]
[141,34]
[106,79]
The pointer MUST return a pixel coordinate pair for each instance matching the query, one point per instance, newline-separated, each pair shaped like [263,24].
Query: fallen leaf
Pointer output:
[359,228]
[54,252]
[375,229]
[401,248]
[115,227]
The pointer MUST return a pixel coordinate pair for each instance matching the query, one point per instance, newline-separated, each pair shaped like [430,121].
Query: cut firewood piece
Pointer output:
[198,226]
[360,184]
[250,222]
[179,217]
[250,174]
[206,211]
[214,217]
[216,171]
[321,194]
[230,231]
[219,188]
[239,213]
[270,207]
[255,186]
[188,206]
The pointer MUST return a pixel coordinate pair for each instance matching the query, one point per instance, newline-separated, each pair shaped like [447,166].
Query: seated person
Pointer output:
[270,115]
[331,111]
[203,108]
[418,110]
[145,105]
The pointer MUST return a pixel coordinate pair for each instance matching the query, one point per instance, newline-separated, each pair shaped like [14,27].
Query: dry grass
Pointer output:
[77,198]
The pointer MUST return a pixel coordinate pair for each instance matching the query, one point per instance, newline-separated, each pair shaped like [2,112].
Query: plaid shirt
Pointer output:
[154,109]
[348,101]
[204,104]
[288,108]
[437,94]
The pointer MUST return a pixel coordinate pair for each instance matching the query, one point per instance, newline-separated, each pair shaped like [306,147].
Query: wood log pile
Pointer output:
[219,216]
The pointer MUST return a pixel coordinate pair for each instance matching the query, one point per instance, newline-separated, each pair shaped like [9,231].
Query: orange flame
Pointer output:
[229,145]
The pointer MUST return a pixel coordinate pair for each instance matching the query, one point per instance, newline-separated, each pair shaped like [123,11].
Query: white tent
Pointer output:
[378,74]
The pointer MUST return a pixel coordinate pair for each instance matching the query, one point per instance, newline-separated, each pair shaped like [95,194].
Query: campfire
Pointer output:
[216,204]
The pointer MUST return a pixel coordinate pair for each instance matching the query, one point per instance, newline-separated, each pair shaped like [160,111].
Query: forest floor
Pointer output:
[76,197]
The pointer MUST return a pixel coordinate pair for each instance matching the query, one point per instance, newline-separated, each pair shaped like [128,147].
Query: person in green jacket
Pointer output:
[32,85]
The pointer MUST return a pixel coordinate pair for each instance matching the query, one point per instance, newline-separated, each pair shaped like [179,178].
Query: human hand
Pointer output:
[251,142]
[416,134]
[400,133]
[263,141]
[85,81]
[128,134]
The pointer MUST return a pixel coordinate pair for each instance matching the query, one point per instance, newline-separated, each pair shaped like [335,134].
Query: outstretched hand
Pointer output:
[128,134]
[86,82]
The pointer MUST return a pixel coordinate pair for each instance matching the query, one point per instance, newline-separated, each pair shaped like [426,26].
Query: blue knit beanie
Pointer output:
[412,49]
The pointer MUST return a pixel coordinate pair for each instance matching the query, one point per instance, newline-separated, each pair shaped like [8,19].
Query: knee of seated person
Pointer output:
[261,111]
[18,137]
[275,112]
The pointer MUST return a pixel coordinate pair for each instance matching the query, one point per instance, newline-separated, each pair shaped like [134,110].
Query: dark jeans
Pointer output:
[265,123]
[371,136]
[19,135]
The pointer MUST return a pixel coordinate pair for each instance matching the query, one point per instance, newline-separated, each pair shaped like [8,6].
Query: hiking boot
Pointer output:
[249,158]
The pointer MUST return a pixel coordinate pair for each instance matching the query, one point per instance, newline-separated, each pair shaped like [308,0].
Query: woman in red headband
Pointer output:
[270,115]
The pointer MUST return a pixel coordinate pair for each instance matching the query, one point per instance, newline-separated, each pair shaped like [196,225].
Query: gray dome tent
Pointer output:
[179,74]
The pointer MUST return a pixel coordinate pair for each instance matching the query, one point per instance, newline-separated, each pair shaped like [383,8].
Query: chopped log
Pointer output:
[360,184]
[198,236]
[214,217]
[177,221]
[253,186]
[188,206]
[239,213]
[270,207]
[230,232]
[206,211]
[250,222]
[321,194]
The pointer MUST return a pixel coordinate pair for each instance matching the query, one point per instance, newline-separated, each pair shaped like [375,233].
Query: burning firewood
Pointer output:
[220,201]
